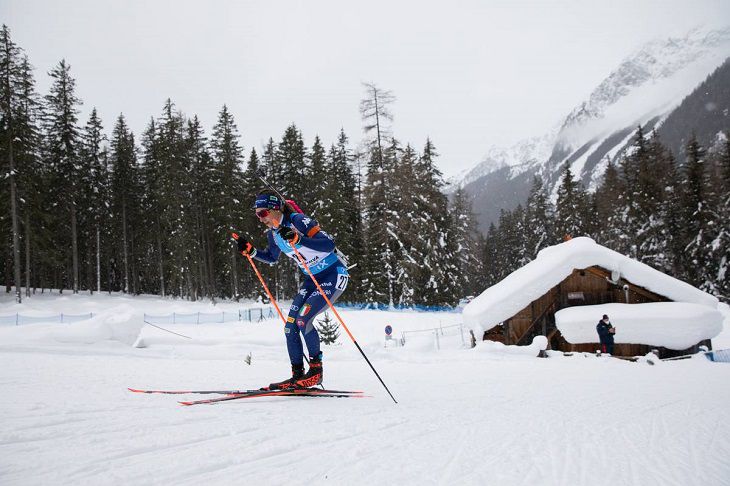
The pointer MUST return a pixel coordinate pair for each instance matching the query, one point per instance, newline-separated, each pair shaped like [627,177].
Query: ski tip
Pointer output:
[134,390]
[187,404]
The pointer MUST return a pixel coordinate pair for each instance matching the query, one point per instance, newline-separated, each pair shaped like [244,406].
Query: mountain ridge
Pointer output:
[645,88]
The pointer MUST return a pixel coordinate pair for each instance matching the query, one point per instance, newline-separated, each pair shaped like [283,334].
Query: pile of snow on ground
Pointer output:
[538,344]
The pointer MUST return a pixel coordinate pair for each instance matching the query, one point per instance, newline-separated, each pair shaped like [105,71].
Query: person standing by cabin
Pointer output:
[605,333]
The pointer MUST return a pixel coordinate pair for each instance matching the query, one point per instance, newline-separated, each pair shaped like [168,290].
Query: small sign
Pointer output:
[388,330]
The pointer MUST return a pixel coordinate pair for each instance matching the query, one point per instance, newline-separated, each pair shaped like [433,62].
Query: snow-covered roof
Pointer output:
[674,325]
[554,264]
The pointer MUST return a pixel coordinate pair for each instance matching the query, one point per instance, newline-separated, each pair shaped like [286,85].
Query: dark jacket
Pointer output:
[605,336]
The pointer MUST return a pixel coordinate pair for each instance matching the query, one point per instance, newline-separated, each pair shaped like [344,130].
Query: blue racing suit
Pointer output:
[317,248]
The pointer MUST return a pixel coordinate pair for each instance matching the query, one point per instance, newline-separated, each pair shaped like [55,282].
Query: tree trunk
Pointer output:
[161,265]
[74,249]
[211,274]
[8,278]
[27,254]
[124,247]
[14,217]
[98,258]
[90,269]
[133,265]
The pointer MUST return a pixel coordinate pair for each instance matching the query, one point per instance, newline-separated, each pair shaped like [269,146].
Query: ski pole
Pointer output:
[261,279]
[260,175]
[334,311]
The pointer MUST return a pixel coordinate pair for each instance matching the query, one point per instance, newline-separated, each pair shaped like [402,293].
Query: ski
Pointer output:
[197,392]
[231,392]
[293,392]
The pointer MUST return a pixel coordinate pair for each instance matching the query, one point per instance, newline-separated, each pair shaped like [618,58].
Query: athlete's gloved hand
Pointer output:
[289,235]
[244,246]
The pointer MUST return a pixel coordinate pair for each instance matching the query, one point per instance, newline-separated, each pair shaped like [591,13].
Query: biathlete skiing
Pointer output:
[289,228]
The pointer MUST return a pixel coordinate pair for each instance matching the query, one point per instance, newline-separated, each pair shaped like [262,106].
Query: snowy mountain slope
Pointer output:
[646,84]
[522,155]
[644,89]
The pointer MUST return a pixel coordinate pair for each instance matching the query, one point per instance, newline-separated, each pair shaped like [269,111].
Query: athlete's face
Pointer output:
[270,217]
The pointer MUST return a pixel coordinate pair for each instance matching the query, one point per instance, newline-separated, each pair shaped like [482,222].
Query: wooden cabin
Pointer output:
[591,285]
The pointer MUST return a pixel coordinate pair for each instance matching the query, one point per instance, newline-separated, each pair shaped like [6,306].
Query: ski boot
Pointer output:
[297,373]
[314,374]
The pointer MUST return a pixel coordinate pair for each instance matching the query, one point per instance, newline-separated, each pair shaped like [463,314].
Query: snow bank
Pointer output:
[722,341]
[538,344]
[673,325]
[552,265]
[121,323]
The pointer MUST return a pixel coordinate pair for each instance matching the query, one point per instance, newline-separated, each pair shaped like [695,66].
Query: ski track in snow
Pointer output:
[463,417]
[523,422]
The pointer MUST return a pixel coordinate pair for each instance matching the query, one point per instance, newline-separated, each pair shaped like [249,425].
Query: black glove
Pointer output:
[244,246]
[289,235]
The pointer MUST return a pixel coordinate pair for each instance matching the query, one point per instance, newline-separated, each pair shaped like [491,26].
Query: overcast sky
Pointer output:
[467,74]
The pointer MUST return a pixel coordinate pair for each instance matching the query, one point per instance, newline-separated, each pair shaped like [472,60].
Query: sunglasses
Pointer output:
[262,213]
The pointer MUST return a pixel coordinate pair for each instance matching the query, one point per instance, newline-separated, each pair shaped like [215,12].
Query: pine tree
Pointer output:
[375,113]
[656,187]
[341,214]
[316,184]
[292,160]
[20,148]
[270,162]
[249,225]
[379,259]
[63,152]
[572,207]
[123,160]
[538,231]
[380,216]
[436,275]
[408,231]
[172,196]
[151,207]
[292,157]
[197,226]
[511,230]
[698,265]
[329,329]
[9,67]
[32,174]
[490,256]
[231,199]
[464,237]
[96,182]
[720,246]
[611,206]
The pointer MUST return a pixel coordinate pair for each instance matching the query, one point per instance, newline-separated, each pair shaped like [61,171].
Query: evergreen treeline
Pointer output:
[675,219]
[153,214]
[81,211]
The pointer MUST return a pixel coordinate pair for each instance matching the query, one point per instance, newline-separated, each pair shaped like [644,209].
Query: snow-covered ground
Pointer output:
[465,416]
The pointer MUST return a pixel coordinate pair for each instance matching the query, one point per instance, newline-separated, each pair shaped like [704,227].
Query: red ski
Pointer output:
[292,392]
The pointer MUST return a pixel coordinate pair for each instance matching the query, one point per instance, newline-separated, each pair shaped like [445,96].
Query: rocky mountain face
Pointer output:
[647,88]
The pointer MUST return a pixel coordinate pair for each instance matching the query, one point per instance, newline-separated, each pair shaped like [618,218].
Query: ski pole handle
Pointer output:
[235,237]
